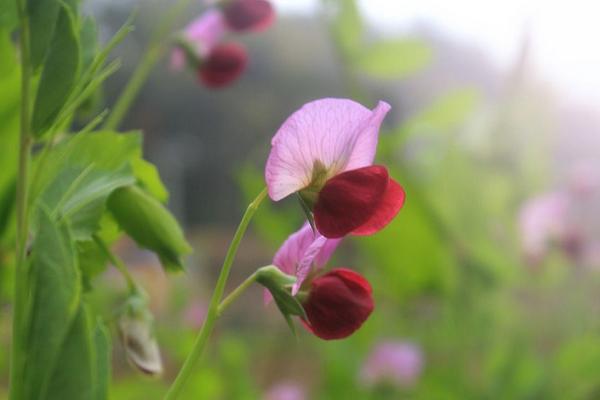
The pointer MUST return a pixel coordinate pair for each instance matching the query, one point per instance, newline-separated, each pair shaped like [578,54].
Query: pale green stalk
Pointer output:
[213,309]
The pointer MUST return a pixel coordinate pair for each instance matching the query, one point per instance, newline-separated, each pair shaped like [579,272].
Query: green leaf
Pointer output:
[61,71]
[102,347]
[81,172]
[43,16]
[89,42]
[55,296]
[8,15]
[149,178]
[74,377]
[348,27]
[394,59]
[150,224]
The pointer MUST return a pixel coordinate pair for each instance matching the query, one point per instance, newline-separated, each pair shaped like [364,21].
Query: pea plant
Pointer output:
[75,192]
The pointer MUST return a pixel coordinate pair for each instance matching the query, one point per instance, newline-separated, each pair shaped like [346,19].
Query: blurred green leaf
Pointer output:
[60,73]
[394,59]
[8,15]
[89,42]
[150,224]
[43,15]
[55,296]
[102,370]
[348,26]
[149,178]
[75,375]
[81,172]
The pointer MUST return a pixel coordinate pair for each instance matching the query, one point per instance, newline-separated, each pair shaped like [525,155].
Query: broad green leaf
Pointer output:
[102,347]
[394,59]
[441,117]
[60,73]
[43,15]
[8,15]
[81,172]
[55,297]
[150,224]
[74,376]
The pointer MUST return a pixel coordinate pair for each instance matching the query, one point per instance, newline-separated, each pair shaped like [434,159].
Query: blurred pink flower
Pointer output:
[393,362]
[568,218]
[542,220]
[286,391]
[324,152]
[202,35]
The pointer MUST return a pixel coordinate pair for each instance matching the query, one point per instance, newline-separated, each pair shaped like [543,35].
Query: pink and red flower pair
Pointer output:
[200,45]
[324,153]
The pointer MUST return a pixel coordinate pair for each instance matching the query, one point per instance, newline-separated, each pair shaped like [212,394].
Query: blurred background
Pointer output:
[486,284]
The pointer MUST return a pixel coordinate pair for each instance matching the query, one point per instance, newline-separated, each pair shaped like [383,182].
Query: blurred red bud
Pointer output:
[223,65]
[248,15]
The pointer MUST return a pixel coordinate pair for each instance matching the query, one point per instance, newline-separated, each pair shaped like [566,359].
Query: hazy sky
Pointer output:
[564,34]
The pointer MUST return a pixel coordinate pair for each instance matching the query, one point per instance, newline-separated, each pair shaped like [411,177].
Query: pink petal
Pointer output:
[177,60]
[206,31]
[300,253]
[341,134]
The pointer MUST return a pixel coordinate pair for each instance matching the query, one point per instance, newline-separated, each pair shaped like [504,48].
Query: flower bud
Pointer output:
[248,15]
[337,304]
[223,65]
[136,328]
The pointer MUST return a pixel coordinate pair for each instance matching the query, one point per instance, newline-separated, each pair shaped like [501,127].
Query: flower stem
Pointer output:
[213,308]
[117,262]
[153,52]
[22,229]
[235,294]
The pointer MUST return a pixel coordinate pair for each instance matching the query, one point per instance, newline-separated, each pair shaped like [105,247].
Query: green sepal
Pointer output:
[279,285]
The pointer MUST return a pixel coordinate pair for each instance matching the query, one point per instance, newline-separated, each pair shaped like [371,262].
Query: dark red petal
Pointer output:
[224,65]
[390,205]
[248,15]
[338,303]
[349,200]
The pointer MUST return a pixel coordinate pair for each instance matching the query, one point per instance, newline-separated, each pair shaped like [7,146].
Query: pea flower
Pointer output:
[248,15]
[200,46]
[336,303]
[567,218]
[398,363]
[324,152]
[286,391]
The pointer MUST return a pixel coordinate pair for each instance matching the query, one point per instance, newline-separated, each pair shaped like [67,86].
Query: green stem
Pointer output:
[20,292]
[117,262]
[235,294]
[213,308]
[155,50]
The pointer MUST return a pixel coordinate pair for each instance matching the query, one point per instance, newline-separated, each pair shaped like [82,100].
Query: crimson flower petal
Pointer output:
[248,15]
[223,65]
[389,206]
[349,200]
[338,303]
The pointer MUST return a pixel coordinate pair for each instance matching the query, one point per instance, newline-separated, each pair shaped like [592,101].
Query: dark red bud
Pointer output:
[361,201]
[338,303]
[248,15]
[223,65]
